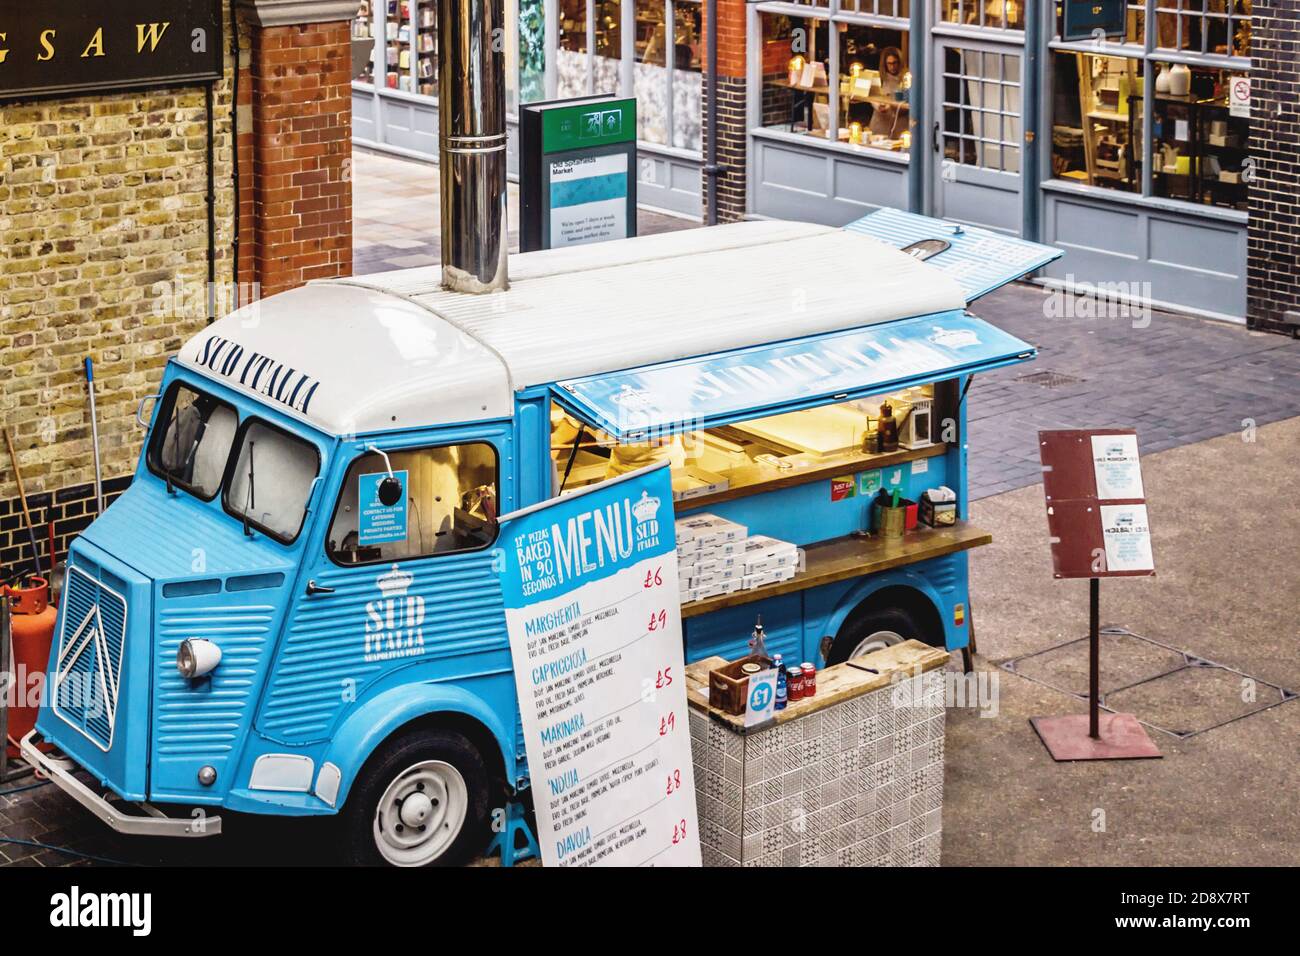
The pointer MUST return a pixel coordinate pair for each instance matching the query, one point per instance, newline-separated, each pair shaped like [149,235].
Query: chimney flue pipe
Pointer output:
[472,153]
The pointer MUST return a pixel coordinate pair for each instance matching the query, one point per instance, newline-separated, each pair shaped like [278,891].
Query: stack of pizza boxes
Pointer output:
[716,556]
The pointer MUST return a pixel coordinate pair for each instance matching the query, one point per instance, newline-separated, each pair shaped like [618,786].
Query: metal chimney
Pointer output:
[472,114]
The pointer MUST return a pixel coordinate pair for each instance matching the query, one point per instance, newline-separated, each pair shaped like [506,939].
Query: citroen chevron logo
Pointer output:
[104,673]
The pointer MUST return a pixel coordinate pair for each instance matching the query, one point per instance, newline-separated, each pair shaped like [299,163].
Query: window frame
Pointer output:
[347,470]
[238,443]
[1151,56]
[833,15]
[165,408]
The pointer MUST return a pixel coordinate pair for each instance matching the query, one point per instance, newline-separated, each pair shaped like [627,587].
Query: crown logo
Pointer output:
[646,508]
[394,583]
[953,338]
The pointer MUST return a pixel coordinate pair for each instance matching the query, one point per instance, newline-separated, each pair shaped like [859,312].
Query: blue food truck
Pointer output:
[295,608]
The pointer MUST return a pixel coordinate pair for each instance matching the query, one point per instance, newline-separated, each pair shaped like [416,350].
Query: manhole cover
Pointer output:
[1049,379]
[1169,689]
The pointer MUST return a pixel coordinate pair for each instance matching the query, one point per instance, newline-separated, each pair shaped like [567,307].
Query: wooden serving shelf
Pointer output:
[759,479]
[842,558]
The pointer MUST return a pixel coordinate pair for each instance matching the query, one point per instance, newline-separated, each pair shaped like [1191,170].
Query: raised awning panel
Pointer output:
[654,400]
[978,260]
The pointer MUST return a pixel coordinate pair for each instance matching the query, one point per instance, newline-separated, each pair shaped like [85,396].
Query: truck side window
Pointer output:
[270,479]
[449,504]
[193,440]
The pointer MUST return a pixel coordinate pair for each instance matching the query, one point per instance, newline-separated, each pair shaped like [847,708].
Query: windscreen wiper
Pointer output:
[250,500]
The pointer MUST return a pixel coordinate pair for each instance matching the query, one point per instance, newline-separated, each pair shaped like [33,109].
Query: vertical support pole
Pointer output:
[1094,657]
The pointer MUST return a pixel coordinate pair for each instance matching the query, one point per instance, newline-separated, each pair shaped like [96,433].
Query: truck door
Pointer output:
[398,585]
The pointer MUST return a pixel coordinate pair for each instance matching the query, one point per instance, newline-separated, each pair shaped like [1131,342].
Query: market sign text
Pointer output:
[58,47]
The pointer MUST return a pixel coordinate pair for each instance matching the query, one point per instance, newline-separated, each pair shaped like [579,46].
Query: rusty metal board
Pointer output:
[1096,506]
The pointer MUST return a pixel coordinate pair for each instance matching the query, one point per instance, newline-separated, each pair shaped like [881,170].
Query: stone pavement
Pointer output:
[1178,380]
[395,214]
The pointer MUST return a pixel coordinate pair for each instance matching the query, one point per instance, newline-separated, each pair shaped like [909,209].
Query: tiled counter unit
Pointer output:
[851,777]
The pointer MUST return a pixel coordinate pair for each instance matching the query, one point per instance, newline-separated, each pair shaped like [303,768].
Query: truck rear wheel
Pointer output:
[421,800]
[870,629]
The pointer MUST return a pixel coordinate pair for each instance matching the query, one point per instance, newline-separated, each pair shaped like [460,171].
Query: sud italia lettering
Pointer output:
[260,373]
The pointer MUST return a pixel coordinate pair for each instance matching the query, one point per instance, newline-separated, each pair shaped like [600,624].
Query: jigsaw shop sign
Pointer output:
[57,47]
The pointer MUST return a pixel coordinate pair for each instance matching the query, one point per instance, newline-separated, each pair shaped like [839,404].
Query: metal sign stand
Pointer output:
[1075,519]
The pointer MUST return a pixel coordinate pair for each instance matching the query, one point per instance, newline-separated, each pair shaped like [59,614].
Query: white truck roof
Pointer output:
[394,350]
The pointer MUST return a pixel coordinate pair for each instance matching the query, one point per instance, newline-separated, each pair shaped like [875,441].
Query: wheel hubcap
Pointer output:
[421,813]
[877,640]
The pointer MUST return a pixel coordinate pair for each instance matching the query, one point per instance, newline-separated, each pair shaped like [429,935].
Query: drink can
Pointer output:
[794,683]
[809,679]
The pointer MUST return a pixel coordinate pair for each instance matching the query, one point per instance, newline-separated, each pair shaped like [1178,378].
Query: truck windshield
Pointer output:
[192,448]
[270,479]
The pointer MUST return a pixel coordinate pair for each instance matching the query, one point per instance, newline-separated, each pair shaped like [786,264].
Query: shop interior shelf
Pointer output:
[759,479]
[853,556]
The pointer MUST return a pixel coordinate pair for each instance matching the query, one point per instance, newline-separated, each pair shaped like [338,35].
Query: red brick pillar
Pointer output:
[295,142]
[732,134]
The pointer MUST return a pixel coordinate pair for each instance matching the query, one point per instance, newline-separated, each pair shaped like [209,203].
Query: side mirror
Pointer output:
[390,491]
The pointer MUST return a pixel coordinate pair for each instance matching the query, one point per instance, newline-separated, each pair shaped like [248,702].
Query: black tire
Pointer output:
[393,761]
[865,622]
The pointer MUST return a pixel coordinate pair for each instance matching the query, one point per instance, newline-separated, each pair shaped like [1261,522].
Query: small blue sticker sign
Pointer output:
[377,522]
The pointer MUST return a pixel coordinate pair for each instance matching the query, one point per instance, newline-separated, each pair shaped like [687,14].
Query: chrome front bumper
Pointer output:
[155,824]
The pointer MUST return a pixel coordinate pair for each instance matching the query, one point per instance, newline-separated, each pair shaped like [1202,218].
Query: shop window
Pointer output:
[363,28]
[448,504]
[688,80]
[796,71]
[1134,25]
[981,109]
[1196,150]
[589,27]
[1198,144]
[270,479]
[871,98]
[1219,27]
[875,86]
[192,448]
[990,14]
[900,9]
[668,68]
[1097,120]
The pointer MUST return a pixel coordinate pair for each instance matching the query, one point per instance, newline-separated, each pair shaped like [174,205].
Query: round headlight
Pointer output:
[197,658]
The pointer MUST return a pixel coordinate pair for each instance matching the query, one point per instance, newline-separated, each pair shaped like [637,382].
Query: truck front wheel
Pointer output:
[421,800]
[869,629]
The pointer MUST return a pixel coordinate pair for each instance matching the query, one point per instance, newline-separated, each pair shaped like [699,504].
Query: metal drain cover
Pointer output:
[1049,379]
[1172,690]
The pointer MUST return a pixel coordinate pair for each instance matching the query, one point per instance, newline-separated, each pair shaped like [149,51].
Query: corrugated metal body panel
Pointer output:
[979,260]
[144,523]
[203,722]
[462,619]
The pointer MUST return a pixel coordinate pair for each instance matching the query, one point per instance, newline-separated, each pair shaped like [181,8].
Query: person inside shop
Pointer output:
[890,119]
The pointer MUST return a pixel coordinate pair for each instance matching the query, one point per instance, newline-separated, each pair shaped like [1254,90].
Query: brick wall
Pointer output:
[301,144]
[103,215]
[1273,233]
[731,148]
[104,246]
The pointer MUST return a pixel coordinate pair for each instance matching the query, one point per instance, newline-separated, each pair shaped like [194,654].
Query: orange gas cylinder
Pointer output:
[31,622]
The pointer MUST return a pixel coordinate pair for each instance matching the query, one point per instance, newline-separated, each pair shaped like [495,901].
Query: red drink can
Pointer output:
[809,679]
[794,684]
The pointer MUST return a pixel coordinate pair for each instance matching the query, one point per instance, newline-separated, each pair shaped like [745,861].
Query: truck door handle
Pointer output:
[314,588]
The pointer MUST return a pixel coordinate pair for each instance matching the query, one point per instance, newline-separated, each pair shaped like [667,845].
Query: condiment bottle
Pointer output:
[887,428]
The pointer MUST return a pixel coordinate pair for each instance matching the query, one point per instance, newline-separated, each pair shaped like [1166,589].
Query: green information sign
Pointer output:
[577,172]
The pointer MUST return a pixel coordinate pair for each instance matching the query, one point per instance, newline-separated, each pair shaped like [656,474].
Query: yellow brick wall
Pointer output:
[103,252]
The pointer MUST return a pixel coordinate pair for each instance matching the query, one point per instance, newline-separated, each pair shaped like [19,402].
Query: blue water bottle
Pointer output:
[781,692]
